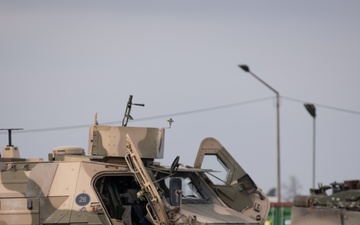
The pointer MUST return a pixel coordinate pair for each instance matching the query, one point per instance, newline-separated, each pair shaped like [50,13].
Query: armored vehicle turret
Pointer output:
[121,181]
[334,204]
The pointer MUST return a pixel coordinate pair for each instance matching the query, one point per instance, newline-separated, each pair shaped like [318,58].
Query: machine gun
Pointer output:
[127,115]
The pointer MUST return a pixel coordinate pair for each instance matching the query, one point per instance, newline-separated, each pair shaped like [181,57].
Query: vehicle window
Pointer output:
[221,171]
[192,191]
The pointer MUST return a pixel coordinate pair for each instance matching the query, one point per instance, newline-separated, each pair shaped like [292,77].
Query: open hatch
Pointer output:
[230,181]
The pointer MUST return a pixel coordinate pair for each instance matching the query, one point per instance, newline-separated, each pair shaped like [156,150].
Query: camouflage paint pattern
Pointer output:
[68,189]
[111,141]
[45,193]
[341,207]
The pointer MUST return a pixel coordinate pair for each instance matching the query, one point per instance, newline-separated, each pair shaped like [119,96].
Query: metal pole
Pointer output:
[278,145]
[314,155]
[247,69]
[312,111]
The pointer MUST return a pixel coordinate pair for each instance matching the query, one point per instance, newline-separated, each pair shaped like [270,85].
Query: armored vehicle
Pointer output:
[341,206]
[120,181]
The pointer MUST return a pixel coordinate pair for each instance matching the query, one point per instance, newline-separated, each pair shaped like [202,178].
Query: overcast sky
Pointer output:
[63,61]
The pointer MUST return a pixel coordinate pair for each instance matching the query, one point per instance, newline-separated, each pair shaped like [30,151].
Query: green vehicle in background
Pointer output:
[334,204]
[339,207]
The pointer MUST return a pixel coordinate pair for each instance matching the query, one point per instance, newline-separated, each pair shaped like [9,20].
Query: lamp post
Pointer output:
[246,69]
[312,110]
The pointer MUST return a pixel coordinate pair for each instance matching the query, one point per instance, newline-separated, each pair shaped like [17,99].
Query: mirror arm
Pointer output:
[179,192]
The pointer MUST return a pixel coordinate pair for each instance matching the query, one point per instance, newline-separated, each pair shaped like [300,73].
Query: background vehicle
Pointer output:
[339,207]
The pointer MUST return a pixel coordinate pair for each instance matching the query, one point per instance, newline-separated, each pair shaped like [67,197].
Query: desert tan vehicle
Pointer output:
[119,181]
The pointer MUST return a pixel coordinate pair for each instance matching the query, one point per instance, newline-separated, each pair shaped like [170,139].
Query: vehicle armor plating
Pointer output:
[119,181]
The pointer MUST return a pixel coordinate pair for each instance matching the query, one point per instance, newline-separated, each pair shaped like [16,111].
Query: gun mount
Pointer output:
[10,151]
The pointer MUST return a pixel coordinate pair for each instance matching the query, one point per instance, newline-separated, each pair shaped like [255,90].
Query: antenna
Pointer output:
[9,134]
[127,115]
[170,121]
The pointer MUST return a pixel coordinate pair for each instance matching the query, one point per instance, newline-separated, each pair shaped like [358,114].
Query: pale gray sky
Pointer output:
[62,61]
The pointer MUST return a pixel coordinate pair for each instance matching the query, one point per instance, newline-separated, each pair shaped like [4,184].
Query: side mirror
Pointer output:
[175,191]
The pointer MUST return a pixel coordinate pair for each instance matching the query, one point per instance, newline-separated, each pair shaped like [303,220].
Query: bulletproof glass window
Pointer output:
[192,190]
[218,177]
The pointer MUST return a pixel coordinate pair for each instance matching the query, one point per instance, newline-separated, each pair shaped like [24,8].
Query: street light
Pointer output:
[312,110]
[246,69]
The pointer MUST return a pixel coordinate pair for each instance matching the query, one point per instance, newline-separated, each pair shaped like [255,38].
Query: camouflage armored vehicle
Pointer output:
[339,207]
[119,181]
